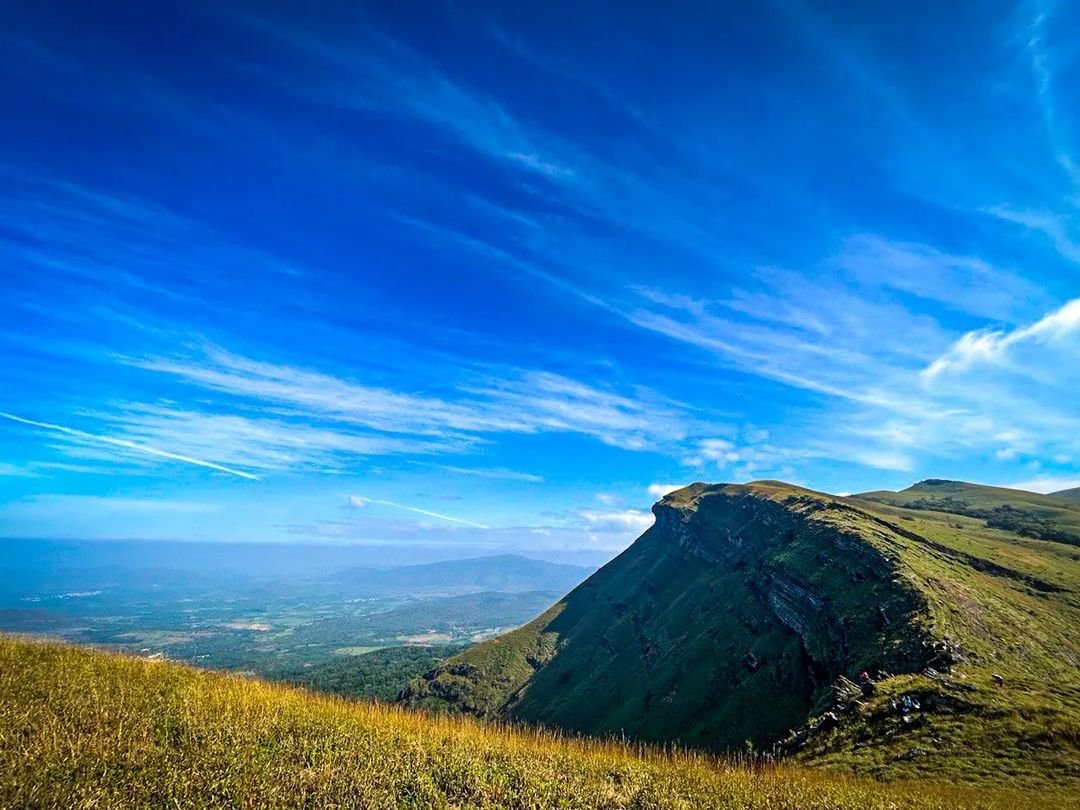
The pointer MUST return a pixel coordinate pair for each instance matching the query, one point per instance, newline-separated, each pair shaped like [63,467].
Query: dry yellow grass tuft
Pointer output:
[81,729]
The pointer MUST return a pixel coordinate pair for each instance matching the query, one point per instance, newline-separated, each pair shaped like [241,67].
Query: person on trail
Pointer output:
[866,683]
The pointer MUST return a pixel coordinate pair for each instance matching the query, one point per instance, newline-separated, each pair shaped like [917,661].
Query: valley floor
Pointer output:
[86,729]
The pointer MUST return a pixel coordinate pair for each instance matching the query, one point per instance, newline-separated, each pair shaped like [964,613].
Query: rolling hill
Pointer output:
[746,614]
[1047,517]
[1071,494]
[85,729]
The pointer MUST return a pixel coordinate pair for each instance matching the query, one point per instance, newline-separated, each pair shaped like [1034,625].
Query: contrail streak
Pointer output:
[142,448]
[364,500]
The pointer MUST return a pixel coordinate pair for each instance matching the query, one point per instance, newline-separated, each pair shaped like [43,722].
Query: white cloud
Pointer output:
[717,450]
[611,528]
[660,490]
[972,348]
[994,347]
[751,457]
[721,452]
[883,459]
[618,520]
[1046,484]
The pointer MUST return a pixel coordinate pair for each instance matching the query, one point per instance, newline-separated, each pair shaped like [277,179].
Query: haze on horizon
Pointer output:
[496,277]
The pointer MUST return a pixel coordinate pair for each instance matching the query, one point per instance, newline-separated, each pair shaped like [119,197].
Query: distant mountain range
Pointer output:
[747,615]
[34,568]
[507,573]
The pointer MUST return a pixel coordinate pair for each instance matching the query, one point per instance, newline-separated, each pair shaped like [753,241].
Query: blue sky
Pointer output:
[497,275]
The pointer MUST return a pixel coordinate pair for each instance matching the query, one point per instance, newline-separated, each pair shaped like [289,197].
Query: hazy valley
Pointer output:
[262,618]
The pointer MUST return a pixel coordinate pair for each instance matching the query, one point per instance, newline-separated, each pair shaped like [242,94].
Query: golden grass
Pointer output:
[84,729]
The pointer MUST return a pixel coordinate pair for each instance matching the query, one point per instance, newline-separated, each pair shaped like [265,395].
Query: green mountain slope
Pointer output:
[745,613]
[84,729]
[1071,494]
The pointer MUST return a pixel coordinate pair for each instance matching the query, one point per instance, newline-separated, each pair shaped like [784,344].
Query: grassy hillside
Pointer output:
[1028,514]
[1072,494]
[746,612]
[81,729]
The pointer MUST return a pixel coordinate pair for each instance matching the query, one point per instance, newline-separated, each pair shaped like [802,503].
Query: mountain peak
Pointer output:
[932,483]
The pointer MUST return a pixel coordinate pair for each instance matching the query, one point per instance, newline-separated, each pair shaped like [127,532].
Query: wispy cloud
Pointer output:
[524,401]
[376,71]
[500,473]
[127,445]
[1043,69]
[16,471]
[361,501]
[964,283]
[1055,227]
[113,503]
